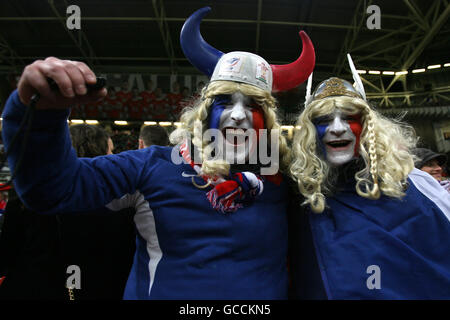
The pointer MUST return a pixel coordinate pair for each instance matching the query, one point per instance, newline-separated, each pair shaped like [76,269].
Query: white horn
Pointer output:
[356,78]
[308,89]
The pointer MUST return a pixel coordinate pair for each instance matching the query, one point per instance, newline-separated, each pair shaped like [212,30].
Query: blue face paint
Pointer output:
[321,130]
[216,109]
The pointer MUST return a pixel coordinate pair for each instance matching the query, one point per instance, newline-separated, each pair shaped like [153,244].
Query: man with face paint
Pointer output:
[371,226]
[208,229]
[233,115]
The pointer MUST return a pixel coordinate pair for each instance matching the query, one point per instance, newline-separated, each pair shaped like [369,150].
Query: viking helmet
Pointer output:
[243,66]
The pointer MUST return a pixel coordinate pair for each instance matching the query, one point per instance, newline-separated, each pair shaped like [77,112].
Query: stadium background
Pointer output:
[132,42]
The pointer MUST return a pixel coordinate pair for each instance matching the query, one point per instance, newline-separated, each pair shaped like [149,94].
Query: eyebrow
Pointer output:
[321,118]
[222,98]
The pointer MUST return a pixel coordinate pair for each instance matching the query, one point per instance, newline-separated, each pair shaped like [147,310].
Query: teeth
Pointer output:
[338,143]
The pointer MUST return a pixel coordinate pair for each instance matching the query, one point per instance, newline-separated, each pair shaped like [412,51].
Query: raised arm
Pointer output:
[51,178]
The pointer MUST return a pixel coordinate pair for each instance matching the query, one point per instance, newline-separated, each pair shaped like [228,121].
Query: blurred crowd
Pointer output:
[150,104]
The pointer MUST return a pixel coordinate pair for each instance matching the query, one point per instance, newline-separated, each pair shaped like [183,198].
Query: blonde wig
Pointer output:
[194,123]
[385,146]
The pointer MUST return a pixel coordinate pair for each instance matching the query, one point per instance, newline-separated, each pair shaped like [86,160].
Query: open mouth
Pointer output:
[235,136]
[339,144]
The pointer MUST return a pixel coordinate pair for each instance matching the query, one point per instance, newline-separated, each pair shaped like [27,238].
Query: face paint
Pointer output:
[216,109]
[235,114]
[339,136]
[356,127]
[321,127]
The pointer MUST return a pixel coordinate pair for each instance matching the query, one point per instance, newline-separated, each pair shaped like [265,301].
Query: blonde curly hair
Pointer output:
[194,123]
[384,147]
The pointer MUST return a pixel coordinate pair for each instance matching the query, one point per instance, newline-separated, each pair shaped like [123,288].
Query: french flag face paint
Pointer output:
[234,115]
[216,109]
[339,135]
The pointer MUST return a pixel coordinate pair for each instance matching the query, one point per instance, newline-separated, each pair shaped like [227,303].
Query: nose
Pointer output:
[238,113]
[338,127]
[437,168]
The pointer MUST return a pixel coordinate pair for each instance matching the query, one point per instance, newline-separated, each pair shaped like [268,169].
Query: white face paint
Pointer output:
[337,136]
[235,120]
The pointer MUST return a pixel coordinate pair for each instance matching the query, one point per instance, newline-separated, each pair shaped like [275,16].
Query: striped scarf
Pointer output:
[230,194]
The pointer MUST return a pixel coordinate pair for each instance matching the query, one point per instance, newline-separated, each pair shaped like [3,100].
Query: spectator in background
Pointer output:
[147,108]
[92,110]
[147,101]
[432,163]
[136,105]
[160,105]
[200,87]
[124,141]
[198,91]
[77,112]
[112,104]
[153,135]
[125,94]
[175,95]
[148,95]
[185,101]
[90,141]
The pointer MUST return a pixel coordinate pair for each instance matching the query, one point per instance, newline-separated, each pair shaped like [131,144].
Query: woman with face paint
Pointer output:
[210,228]
[371,226]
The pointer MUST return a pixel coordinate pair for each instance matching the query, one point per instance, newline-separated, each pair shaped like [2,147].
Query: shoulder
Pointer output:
[421,179]
[139,159]
[163,153]
[150,152]
[431,189]
[159,155]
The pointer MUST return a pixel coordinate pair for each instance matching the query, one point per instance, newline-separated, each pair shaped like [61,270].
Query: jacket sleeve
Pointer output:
[431,188]
[51,179]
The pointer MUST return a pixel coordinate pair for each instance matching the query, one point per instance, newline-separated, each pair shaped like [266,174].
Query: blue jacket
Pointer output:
[184,249]
[373,249]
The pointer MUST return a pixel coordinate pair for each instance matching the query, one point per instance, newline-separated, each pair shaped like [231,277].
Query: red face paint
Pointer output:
[258,120]
[356,127]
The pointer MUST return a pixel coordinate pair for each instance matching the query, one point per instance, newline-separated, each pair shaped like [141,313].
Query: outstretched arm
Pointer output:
[51,177]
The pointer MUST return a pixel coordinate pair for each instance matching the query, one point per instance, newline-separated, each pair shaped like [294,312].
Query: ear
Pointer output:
[141,144]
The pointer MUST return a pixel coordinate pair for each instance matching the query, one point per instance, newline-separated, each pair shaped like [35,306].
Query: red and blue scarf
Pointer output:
[227,195]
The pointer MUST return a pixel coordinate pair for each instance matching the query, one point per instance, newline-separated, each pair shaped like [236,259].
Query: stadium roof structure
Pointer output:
[142,36]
